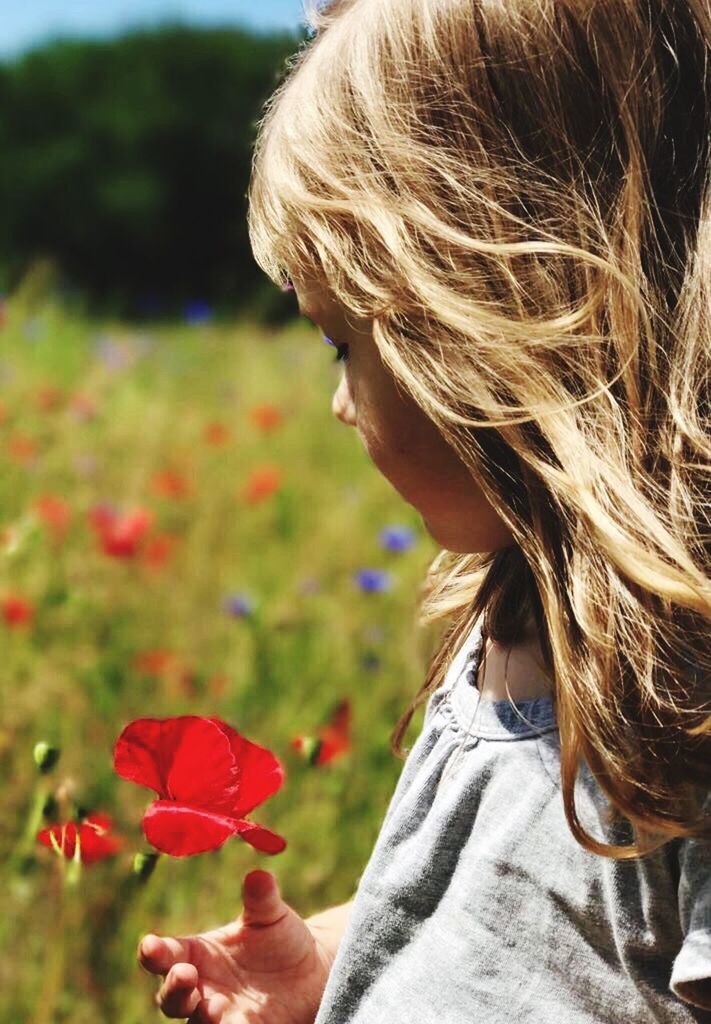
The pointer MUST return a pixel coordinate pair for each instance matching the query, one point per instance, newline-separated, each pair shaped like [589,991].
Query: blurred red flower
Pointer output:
[95,839]
[217,684]
[207,777]
[120,536]
[8,536]
[54,512]
[332,740]
[170,669]
[216,434]
[265,417]
[16,611]
[262,483]
[158,549]
[21,448]
[169,484]
[83,406]
[49,398]
[154,663]
[101,516]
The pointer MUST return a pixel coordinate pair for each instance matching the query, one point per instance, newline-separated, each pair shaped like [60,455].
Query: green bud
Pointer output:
[312,748]
[45,756]
[144,865]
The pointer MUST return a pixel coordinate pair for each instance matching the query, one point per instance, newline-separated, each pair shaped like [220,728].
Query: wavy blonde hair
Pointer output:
[518,194]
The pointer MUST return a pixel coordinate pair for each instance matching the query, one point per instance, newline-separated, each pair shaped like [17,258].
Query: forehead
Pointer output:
[318,304]
[313,297]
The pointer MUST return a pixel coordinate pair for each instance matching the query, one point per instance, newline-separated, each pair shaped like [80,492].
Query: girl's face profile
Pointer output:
[399,437]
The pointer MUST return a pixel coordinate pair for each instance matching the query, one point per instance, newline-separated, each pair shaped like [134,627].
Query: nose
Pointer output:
[342,405]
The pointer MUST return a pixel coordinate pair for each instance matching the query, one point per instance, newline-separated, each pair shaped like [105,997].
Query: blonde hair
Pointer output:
[518,194]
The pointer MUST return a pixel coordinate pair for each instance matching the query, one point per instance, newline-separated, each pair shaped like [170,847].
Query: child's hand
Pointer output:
[265,966]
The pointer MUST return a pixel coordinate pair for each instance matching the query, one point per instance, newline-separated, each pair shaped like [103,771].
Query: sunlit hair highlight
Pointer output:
[518,194]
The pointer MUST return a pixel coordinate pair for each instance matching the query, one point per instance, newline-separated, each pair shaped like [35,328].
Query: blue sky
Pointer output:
[27,22]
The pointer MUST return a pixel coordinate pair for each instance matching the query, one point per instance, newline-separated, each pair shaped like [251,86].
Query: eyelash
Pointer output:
[341,354]
[341,350]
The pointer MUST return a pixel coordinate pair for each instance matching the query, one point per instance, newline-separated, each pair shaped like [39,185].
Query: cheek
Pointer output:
[396,454]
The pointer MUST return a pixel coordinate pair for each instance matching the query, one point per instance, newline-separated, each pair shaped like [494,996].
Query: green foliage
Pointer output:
[127,163]
[71,678]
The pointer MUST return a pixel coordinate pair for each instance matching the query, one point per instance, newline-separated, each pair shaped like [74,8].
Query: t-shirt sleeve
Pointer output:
[691,972]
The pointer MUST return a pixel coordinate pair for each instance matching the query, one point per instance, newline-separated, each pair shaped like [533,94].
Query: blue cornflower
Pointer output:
[239,606]
[198,312]
[373,581]
[370,661]
[397,538]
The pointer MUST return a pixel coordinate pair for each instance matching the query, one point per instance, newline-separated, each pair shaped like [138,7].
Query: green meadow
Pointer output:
[161,419]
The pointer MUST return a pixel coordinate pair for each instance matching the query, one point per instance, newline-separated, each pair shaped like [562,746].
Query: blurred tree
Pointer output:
[127,162]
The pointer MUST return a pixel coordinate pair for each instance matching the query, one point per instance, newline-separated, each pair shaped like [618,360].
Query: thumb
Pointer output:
[262,903]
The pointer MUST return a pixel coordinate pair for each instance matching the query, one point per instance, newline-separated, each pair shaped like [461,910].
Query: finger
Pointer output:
[178,995]
[158,954]
[261,900]
[210,1011]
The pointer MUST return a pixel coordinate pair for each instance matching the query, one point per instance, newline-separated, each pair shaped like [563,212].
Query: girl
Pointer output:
[499,211]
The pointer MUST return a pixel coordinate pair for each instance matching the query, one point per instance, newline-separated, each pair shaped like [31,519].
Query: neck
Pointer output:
[516,672]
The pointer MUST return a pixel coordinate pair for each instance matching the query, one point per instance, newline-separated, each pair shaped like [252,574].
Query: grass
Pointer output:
[92,413]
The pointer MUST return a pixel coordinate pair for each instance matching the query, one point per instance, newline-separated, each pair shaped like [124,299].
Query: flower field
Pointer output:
[186,532]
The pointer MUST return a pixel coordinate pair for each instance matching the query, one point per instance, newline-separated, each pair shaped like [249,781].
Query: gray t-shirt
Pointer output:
[477,903]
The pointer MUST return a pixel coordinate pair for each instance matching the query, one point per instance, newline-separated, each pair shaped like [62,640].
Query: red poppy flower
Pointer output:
[158,549]
[154,663]
[331,741]
[21,448]
[169,484]
[54,512]
[49,398]
[121,536]
[95,839]
[216,434]
[265,417]
[16,611]
[217,684]
[262,483]
[101,516]
[207,777]
[169,668]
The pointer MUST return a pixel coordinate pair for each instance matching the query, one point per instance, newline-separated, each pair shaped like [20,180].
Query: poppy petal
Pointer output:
[64,836]
[260,773]
[95,841]
[182,831]
[97,845]
[145,750]
[204,772]
[99,821]
[260,838]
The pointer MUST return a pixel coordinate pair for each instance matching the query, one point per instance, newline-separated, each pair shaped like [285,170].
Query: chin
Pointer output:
[443,537]
[453,541]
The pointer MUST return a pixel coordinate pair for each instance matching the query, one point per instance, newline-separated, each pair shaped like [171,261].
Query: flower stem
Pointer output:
[54,962]
[26,843]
